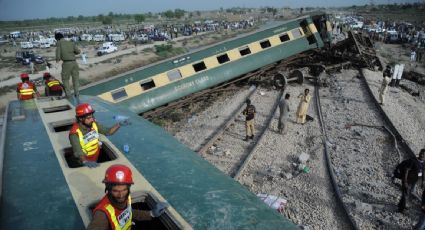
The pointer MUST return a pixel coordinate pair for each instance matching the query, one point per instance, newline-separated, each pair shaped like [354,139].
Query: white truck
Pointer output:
[106,48]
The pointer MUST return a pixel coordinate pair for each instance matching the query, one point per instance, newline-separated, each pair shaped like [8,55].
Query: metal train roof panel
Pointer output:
[40,192]
[35,194]
[204,196]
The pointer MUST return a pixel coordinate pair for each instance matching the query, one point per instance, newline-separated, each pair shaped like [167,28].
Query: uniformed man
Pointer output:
[303,106]
[53,86]
[65,52]
[283,113]
[114,210]
[384,85]
[26,90]
[84,135]
[249,113]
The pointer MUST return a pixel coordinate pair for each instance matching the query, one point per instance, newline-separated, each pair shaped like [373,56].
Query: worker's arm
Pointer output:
[99,221]
[76,147]
[76,50]
[58,51]
[141,215]
[108,131]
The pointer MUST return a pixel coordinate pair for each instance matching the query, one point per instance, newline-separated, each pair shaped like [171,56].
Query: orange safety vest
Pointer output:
[89,142]
[118,219]
[54,85]
[26,90]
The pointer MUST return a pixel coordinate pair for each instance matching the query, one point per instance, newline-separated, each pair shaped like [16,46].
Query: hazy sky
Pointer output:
[30,9]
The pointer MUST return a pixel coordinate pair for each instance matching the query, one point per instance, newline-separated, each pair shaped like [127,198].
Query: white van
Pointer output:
[99,38]
[86,37]
[106,48]
[116,37]
[27,45]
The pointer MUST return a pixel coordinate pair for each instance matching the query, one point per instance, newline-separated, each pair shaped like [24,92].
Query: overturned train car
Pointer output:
[158,84]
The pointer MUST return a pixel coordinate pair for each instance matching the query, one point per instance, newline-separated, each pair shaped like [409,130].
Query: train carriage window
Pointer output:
[244,51]
[284,37]
[199,66]
[147,84]
[296,33]
[304,26]
[118,94]
[174,75]
[223,58]
[265,44]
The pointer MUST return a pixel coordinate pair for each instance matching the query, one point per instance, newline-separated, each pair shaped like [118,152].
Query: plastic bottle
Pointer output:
[126,148]
[122,120]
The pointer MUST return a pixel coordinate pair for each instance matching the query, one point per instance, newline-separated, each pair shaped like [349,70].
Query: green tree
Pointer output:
[139,18]
[169,14]
[178,13]
[107,20]
[111,14]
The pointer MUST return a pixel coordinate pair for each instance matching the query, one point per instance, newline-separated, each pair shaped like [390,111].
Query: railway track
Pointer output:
[353,150]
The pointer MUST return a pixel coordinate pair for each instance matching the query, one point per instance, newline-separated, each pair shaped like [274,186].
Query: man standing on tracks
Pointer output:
[84,135]
[303,106]
[249,113]
[114,210]
[283,113]
[65,52]
[384,85]
[26,90]
[409,172]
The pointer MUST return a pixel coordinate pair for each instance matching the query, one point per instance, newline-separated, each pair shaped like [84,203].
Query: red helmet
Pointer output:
[83,109]
[46,75]
[118,174]
[24,76]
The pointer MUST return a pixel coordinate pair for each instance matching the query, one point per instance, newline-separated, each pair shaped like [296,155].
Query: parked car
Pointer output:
[25,57]
[142,38]
[106,48]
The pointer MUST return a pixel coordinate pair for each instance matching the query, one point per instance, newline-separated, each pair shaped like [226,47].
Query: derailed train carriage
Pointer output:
[43,187]
[144,89]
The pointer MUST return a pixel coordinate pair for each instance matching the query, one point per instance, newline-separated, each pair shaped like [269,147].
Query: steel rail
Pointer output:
[236,175]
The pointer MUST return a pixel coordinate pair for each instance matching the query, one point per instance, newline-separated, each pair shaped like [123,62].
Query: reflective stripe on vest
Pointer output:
[53,83]
[123,220]
[26,89]
[90,141]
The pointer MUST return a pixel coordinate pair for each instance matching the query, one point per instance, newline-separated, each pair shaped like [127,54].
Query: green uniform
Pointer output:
[66,51]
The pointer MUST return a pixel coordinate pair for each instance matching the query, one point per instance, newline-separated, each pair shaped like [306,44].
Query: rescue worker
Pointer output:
[114,209]
[53,86]
[409,172]
[249,113]
[283,113]
[26,90]
[84,135]
[303,106]
[384,85]
[65,52]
